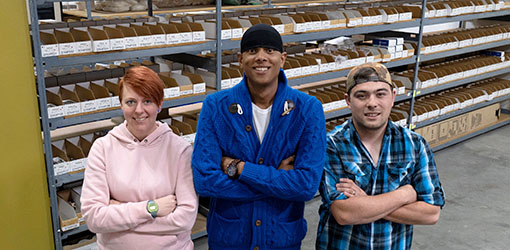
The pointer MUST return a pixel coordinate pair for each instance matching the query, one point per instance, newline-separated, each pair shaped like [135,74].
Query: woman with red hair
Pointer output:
[138,189]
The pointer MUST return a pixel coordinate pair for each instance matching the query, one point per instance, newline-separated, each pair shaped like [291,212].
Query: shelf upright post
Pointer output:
[218,45]
[417,65]
[149,8]
[39,67]
[89,9]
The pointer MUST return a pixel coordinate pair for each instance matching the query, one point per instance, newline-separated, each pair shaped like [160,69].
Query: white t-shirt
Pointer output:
[261,120]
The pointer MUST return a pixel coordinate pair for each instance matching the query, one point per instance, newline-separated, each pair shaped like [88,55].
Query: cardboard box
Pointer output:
[157,32]
[441,132]
[66,43]
[172,88]
[102,94]
[83,42]
[67,215]
[49,44]
[173,35]
[73,200]
[131,39]
[100,41]
[77,159]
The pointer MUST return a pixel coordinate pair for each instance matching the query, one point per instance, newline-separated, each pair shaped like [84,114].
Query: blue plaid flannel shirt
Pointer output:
[405,158]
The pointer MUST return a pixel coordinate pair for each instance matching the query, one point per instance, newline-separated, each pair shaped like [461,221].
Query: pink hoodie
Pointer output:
[133,172]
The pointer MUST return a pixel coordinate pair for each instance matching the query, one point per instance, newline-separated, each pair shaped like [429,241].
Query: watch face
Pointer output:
[231,171]
[152,207]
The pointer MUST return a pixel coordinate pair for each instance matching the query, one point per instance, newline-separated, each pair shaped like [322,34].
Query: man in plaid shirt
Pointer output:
[379,178]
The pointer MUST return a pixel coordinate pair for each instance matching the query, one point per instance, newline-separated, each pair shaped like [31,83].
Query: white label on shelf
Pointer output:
[100,45]
[491,7]
[279,27]
[159,39]
[238,33]
[405,53]
[198,88]
[76,165]
[104,103]
[298,71]
[118,44]
[49,50]
[72,226]
[300,27]
[314,69]
[145,41]
[131,42]
[441,13]
[370,59]
[323,67]
[60,168]
[72,108]
[481,8]
[316,25]
[235,81]
[226,83]
[401,90]
[88,106]
[337,104]
[187,37]
[308,26]
[289,73]
[189,138]
[84,47]
[173,38]
[326,24]
[115,101]
[326,107]
[66,48]
[332,66]
[392,18]
[343,103]
[305,70]
[199,36]
[54,112]
[378,19]
[398,54]
[434,113]
[405,16]
[226,34]
[171,92]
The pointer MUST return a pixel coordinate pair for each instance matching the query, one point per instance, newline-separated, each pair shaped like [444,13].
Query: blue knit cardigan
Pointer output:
[264,207]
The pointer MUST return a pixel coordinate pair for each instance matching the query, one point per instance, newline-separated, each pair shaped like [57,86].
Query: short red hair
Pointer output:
[143,81]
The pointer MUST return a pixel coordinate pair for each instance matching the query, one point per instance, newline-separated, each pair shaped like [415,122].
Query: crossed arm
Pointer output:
[399,206]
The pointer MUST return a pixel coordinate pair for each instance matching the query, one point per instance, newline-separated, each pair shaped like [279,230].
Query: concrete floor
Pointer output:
[475,175]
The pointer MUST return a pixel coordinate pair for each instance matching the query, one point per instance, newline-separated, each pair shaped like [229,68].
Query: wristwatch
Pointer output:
[152,208]
[232,169]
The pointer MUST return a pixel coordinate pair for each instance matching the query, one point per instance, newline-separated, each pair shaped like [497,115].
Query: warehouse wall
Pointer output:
[25,221]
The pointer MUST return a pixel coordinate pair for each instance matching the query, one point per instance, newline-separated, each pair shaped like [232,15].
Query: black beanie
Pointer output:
[261,36]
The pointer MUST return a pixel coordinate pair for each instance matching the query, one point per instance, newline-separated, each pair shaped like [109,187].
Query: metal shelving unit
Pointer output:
[426,91]
[465,50]
[461,111]
[468,17]
[341,73]
[218,45]
[101,115]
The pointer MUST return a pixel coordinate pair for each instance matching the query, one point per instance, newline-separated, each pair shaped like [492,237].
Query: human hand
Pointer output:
[225,161]
[114,202]
[409,193]
[349,188]
[166,205]
[287,164]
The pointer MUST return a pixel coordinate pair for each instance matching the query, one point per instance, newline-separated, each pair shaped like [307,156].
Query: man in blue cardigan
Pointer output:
[259,152]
